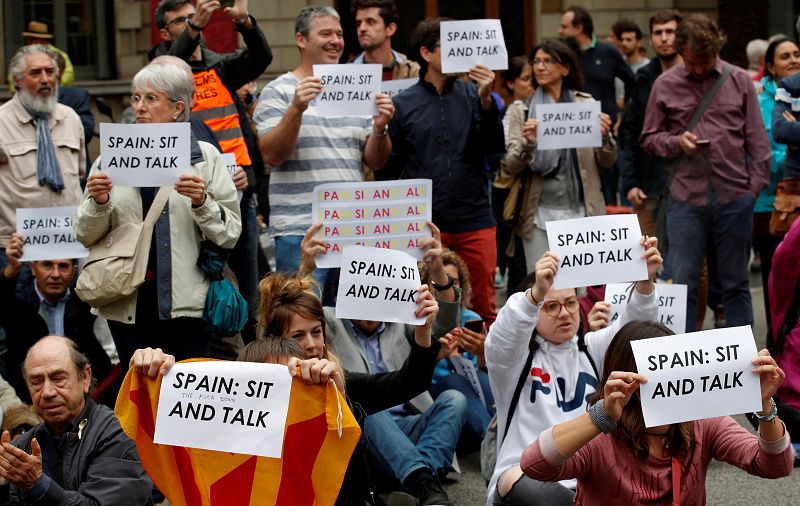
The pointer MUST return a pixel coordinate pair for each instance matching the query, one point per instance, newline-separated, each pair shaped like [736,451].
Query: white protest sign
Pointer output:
[348,90]
[147,154]
[48,234]
[396,86]
[571,125]
[387,214]
[465,44]
[379,285]
[237,407]
[697,375]
[671,303]
[229,159]
[597,250]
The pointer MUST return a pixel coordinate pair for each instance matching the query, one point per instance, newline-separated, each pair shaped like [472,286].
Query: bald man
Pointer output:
[103,466]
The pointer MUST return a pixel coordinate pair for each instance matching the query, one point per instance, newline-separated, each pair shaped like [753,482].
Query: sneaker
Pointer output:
[499,279]
[397,498]
[432,494]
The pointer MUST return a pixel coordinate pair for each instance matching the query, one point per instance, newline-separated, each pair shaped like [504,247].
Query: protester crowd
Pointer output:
[705,154]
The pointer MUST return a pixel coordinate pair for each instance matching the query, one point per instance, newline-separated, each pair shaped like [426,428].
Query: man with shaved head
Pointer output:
[79,454]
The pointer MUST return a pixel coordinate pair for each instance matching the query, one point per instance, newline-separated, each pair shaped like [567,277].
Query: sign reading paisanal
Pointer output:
[389,214]
[49,234]
[147,154]
[237,407]
[697,375]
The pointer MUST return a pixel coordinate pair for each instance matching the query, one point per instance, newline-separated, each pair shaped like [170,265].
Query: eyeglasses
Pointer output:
[180,20]
[546,63]
[150,99]
[553,307]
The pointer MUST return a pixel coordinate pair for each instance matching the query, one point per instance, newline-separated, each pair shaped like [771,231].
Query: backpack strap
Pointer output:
[518,390]
[699,111]
[585,349]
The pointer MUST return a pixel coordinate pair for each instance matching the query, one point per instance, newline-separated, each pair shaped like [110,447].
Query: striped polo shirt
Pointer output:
[329,150]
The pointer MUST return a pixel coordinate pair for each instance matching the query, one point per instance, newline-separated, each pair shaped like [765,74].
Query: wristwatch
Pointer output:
[772,415]
[449,285]
[383,132]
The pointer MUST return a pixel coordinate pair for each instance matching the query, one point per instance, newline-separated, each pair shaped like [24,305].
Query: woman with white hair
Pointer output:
[167,309]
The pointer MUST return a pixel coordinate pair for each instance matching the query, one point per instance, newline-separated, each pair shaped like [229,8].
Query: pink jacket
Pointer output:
[609,474]
[783,280]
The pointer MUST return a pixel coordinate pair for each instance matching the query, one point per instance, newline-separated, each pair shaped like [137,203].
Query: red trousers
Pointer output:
[479,251]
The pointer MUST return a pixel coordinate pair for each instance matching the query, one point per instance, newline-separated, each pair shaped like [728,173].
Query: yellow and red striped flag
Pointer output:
[317,447]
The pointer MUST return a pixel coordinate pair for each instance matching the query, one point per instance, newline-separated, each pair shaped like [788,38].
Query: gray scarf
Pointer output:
[47,168]
[548,163]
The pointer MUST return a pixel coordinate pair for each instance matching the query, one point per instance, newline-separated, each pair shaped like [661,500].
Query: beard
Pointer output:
[39,104]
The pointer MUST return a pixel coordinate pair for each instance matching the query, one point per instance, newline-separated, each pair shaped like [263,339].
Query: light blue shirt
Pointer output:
[371,344]
[53,314]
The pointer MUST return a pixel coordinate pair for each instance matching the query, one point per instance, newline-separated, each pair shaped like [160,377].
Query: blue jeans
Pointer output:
[729,226]
[244,263]
[418,441]
[478,414]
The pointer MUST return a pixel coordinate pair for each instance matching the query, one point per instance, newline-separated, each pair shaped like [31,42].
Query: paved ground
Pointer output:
[725,485]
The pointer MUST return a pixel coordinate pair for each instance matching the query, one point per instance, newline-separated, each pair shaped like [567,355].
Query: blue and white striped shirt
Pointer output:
[329,150]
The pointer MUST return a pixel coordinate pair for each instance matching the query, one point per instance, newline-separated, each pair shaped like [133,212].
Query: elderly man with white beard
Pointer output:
[42,152]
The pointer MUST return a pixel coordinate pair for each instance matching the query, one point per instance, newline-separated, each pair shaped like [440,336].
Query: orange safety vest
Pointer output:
[215,107]
[317,446]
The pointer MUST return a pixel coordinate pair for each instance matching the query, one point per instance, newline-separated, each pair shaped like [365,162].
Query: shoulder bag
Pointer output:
[117,263]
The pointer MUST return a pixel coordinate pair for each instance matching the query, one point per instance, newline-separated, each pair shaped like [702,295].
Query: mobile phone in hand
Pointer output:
[227,3]
[702,143]
[474,325]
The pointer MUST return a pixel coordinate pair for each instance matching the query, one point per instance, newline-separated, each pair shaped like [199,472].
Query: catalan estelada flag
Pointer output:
[320,436]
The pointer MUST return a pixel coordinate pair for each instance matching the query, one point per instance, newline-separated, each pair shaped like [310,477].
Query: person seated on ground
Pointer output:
[643,456]
[79,454]
[555,381]
[45,306]
[464,367]
[412,444]
[290,309]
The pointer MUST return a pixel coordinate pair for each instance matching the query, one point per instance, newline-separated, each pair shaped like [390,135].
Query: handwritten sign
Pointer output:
[697,375]
[148,154]
[465,44]
[572,125]
[348,90]
[671,303]
[397,86]
[229,159]
[597,250]
[237,407]
[48,234]
[389,214]
[378,284]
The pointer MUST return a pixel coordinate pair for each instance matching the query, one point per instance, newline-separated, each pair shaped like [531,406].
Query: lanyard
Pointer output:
[676,482]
